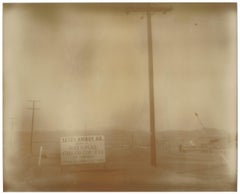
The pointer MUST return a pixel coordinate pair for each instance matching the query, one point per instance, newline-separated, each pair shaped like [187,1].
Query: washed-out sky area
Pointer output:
[87,65]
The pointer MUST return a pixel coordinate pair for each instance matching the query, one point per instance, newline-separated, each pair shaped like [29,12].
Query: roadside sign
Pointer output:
[82,149]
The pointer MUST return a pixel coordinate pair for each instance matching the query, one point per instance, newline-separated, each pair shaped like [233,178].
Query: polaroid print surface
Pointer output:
[120,97]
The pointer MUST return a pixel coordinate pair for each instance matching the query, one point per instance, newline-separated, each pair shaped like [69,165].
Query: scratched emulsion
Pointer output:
[157,82]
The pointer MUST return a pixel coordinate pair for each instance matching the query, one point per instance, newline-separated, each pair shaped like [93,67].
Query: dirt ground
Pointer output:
[123,171]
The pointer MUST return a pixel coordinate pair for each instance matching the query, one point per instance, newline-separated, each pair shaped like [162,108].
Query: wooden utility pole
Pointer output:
[33,108]
[151,91]
[148,9]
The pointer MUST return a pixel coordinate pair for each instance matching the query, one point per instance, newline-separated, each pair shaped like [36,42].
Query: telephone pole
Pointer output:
[33,108]
[148,9]
[151,91]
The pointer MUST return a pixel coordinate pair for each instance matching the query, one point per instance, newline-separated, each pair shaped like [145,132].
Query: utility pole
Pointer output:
[33,108]
[151,91]
[148,9]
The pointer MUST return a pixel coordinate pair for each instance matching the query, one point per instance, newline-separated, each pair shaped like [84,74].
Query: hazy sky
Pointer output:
[88,66]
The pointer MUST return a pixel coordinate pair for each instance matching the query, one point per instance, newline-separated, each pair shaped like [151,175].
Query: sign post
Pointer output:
[40,156]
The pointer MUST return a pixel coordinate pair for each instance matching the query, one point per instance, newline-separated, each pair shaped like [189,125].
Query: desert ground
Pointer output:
[127,167]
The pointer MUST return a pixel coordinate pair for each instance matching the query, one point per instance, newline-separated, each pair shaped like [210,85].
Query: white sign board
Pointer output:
[82,150]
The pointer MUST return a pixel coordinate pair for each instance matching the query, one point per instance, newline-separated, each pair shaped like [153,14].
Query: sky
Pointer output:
[88,66]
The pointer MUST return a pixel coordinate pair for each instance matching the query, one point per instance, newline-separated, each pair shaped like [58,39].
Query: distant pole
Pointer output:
[32,124]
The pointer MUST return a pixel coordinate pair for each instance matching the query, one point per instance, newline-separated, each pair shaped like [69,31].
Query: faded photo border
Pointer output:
[2,74]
